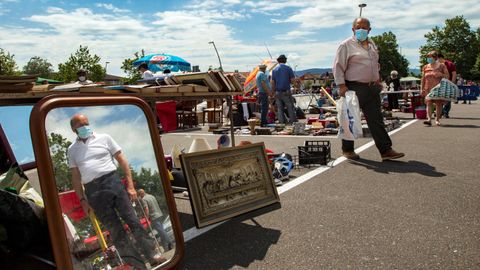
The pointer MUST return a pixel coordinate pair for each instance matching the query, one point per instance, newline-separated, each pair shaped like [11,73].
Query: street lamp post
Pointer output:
[215,47]
[361,6]
[106,64]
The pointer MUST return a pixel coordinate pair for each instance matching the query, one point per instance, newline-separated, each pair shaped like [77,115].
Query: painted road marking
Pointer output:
[194,232]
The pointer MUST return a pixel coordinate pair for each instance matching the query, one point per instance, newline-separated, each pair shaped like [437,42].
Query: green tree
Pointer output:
[389,56]
[38,65]
[81,59]
[58,151]
[7,63]
[127,66]
[457,42]
[476,69]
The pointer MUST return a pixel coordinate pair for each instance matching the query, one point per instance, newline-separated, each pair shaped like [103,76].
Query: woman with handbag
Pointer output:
[432,74]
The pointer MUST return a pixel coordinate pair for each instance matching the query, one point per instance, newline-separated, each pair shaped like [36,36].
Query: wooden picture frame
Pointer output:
[233,80]
[201,78]
[229,182]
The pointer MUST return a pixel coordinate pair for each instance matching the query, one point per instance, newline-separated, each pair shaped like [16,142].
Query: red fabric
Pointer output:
[70,204]
[167,113]
[451,68]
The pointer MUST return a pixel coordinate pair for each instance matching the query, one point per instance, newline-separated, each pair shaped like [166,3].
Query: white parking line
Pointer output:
[194,232]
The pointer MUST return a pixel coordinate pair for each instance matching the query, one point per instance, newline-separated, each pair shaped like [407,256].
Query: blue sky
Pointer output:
[308,32]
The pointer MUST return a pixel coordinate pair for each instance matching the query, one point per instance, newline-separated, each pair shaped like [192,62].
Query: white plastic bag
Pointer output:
[349,119]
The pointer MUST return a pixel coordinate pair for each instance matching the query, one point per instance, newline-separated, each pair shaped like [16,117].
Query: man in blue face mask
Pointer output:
[356,68]
[98,185]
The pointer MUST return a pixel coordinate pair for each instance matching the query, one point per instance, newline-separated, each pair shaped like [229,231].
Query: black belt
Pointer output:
[98,179]
[362,83]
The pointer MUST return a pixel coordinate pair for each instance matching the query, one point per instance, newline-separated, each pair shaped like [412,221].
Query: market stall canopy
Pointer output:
[41,80]
[161,61]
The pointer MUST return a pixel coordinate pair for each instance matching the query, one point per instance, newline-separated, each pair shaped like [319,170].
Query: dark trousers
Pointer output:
[392,101]
[263,100]
[446,108]
[157,224]
[109,199]
[370,104]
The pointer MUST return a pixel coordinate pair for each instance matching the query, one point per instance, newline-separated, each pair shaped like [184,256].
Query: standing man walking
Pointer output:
[356,68]
[452,76]
[154,213]
[98,185]
[264,92]
[282,77]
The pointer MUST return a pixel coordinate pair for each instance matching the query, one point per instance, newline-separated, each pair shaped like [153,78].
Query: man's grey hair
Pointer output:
[361,18]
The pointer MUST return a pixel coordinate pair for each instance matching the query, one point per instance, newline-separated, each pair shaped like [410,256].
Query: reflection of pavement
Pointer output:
[418,212]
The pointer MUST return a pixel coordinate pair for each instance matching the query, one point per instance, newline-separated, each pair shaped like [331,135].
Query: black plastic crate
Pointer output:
[314,152]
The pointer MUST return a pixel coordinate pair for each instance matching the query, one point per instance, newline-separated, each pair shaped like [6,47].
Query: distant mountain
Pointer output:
[415,71]
[312,71]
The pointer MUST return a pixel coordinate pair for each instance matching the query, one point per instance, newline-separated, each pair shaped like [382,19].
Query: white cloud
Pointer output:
[294,35]
[111,7]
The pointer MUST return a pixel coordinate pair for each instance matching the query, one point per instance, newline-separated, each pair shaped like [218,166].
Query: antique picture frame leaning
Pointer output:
[229,182]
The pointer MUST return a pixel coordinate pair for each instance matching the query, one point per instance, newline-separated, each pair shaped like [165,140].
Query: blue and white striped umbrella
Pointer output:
[161,61]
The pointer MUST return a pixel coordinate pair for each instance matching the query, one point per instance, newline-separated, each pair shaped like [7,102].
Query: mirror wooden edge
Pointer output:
[53,211]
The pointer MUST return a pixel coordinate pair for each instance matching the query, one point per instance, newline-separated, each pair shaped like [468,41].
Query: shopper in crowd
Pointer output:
[452,76]
[432,74]
[264,92]
[282,78]
[393,83]
[356,68]
[82,77]
[146,74]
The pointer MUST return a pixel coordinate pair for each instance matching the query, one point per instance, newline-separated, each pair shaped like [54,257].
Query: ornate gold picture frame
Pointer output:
[229,182]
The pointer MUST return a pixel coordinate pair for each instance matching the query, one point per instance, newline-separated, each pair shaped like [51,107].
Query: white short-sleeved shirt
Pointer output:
[93,158]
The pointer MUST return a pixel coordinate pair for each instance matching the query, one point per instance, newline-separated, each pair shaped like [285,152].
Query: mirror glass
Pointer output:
[110,221]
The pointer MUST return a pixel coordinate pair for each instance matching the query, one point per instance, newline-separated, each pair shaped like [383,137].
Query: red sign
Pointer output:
[157,58]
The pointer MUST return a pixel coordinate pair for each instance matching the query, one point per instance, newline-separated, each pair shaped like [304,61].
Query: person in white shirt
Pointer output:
[98,185]
[146,74]
[82,77]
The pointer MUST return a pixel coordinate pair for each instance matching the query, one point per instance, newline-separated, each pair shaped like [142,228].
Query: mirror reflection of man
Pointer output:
[98,185]
[154,213]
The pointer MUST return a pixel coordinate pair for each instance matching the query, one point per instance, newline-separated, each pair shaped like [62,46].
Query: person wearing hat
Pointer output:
[82,77]
[146,74]
[356,68]
[282,77]
[264,92]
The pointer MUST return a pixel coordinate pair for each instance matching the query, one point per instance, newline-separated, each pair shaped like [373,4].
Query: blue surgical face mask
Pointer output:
[84,132]
[430,60]
[361,34]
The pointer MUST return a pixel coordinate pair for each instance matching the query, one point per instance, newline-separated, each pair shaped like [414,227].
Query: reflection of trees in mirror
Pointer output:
[58,151]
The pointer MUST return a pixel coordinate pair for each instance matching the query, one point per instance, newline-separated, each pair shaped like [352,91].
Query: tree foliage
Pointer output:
[8,65]
[457,42]
[81,59]
[127,66]
[58,151]
[389,56]
[37,65]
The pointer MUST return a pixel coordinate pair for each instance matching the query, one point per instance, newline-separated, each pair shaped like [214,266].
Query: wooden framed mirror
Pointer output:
[98,216]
